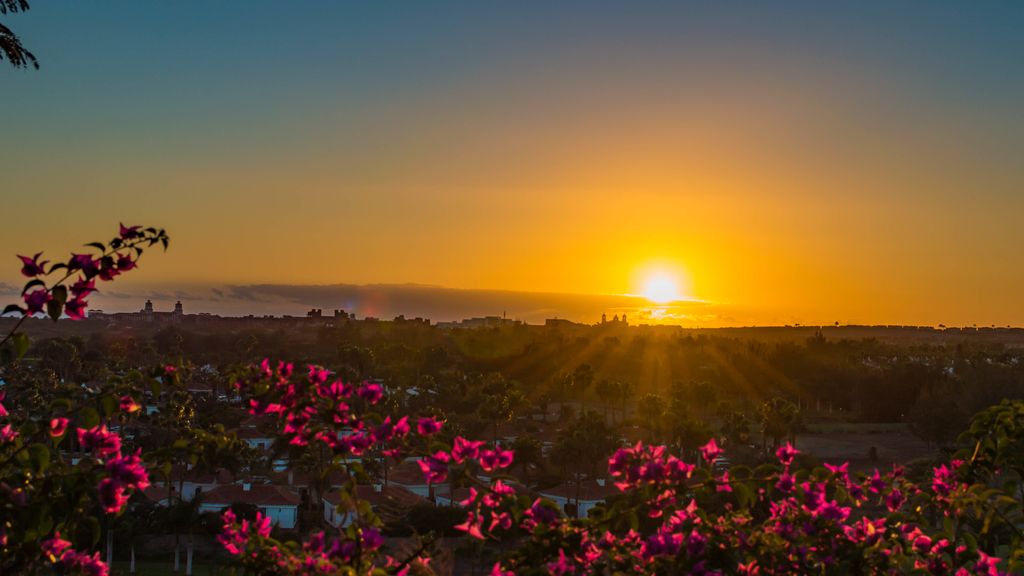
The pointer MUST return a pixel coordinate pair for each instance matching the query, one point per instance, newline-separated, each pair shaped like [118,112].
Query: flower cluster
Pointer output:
[783,522]
[59,552]
[79,273]
[672,516]
[251,542]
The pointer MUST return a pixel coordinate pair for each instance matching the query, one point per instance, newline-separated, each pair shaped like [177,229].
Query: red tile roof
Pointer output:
[589,490]
[388,494]
[157,493]
[221,476]
[407,473]
[301,478]
[258,494]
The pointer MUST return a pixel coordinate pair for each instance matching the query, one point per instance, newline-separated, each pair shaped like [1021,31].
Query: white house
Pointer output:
[276,502]
[579,503]
[191,482]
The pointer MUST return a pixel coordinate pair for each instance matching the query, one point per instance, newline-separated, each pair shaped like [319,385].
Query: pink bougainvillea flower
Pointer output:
[7,434]
[129,405]
[710,451]
[722,484]
[491,460]
[262,525]
[370,539]
[876,483]
[435,468]
[112,495]
[371,392]
[100,439]
[463,449]
[3,411]
[786,482]
[58,426]
[108,269]
[497,571]
[894,500]
[36,300]
[75,308]
[87,264]
[83,287]
[402,427]
[129,232]
[943,480]
[125,263]
[472,525]
[32,267]
[428,426]
[786,454]
[317,375]
[55,547]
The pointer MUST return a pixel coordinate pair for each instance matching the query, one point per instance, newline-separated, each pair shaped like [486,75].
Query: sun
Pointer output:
[661,288]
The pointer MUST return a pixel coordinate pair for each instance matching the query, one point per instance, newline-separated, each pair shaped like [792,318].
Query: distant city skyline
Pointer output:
[440,304]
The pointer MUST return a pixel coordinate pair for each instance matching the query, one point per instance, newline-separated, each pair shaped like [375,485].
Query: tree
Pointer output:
[583,446]
[651,409]
[529,452]
[736,427]
[582,378]
[10,45]
[780,419]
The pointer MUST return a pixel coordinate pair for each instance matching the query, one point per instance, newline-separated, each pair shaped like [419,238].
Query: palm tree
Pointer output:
[652,407]
[528,451]
[583,445]
[10,44]
[605,390]
[623,392]
[780,419]
[582,378]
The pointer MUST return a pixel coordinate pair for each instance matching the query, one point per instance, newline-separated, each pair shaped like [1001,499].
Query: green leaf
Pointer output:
[20,342]
[60,294]
[32,284]
[98,245]
[40,455]
[60,403]
[93,525]
[743,494]
[108,405]
[53,309]
[88,417]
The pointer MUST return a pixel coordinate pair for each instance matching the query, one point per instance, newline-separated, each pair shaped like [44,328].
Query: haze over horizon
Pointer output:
[785,163]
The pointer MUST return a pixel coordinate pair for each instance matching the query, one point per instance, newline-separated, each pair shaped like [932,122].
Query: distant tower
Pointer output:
[178,310]
[147,310]
[624,321]
[604,318]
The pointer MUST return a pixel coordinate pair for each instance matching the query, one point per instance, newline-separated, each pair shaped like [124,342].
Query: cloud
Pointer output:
[414,300]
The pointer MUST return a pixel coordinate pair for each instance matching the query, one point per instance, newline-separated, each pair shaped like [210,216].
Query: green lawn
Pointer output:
[152,568]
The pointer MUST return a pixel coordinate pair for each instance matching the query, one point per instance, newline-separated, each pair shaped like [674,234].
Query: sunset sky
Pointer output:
[784,161]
